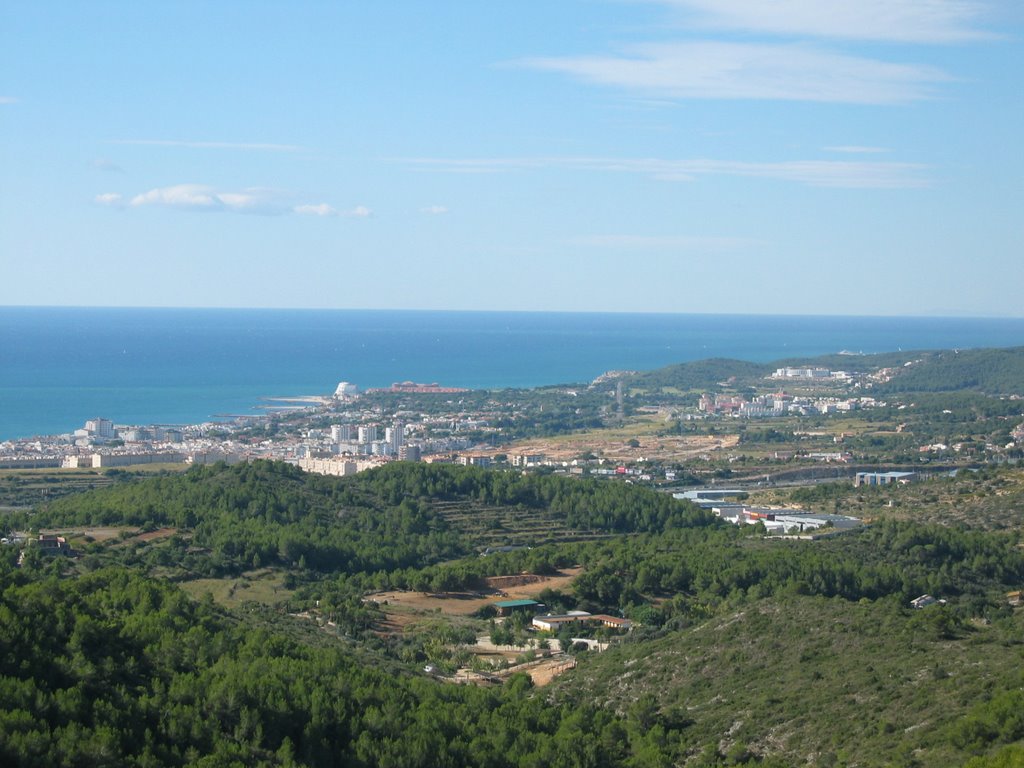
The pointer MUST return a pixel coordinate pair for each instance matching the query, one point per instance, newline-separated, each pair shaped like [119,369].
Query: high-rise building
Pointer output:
[341,433]
[409,453]
[367,434]
[100,427]
[395,436]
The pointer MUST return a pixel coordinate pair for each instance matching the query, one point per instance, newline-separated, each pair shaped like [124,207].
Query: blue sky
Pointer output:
[762,156]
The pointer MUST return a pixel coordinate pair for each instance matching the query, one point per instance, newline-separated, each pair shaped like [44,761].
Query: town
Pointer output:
[352,430]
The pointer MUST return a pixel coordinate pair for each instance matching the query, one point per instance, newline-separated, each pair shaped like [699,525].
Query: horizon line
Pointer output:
[923,316]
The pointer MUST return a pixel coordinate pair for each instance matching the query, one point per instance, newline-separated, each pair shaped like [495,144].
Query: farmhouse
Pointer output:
[551,622]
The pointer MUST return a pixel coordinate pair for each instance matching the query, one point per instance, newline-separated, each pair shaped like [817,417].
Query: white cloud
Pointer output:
[8,100]
[321,209]
[905,21]
[857,150]
[249,146]
[816,173]
[434,210]
[252,200]
[662,242]
[719,70]
[198,197]
[194,196]
[112,199]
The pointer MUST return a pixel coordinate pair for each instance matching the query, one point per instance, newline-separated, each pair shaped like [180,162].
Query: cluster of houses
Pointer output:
[779,404]
[775,520]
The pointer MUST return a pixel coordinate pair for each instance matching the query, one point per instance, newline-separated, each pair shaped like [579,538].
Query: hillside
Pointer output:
[990,498]
[697,375]
[808,680]
[990,371]
[399,516]
[254,617]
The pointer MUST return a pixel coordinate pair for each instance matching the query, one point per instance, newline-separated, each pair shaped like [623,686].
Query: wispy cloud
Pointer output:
[320,209]
[721,70]
[816,173]
[106,164]
[112,199]
[662,242]
[325,210]
[905,21]
[255,200]
[434,210]
[783,50]
[234,145]
[853,149]
[8,100]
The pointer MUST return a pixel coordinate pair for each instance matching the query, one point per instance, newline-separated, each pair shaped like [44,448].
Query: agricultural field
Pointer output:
[264,586]
[521,586]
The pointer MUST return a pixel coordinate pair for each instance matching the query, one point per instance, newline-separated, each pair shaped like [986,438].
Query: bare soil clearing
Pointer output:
[614,446]
[467,603]
[99,533]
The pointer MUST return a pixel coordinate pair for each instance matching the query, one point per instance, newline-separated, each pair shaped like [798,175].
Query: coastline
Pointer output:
[64,365]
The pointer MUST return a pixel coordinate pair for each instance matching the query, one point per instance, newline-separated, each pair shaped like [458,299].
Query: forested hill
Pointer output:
[699,374]
[745,649]
[115,669]
[397,516]
[991,371]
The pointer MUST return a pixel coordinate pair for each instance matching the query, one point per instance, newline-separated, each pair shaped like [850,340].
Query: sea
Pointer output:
[62,365]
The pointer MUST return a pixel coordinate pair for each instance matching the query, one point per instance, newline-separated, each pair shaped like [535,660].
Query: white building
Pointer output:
[395,436]
[344,389]
[100,428]
[336,467]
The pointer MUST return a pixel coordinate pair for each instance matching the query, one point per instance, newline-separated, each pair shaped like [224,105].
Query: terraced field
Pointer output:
[509,526]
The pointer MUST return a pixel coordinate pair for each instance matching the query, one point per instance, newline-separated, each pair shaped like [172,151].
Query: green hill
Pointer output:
[748,650]
[815,681]
[399,516]
[991,371]
[698,375]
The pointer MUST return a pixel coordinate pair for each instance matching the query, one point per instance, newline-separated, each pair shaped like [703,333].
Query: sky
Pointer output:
[849,157]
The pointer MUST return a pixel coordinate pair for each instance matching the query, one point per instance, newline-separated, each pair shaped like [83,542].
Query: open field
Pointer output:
[98,533]
[465,603]
[264,586]
[105,533]
[613,444]
[159,533]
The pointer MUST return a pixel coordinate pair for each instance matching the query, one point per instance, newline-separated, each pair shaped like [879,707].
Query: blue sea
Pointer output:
[61,366]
